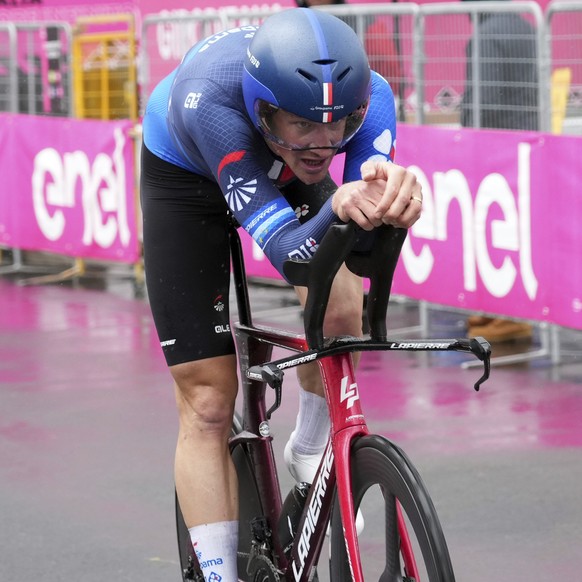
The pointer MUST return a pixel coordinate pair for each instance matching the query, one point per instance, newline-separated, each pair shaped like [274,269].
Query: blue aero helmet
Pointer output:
[311,64]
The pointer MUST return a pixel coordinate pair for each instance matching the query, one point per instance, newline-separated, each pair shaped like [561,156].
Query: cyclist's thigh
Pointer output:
[187,261]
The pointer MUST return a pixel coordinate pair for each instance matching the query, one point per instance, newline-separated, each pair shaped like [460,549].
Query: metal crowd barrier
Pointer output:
[563,38]
[420,49]
[104,57]
[8,70]
[41,83]
[444,31]
[35,77]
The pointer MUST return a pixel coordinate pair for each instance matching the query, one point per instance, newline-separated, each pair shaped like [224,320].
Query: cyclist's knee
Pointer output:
[344,317]
[205,394]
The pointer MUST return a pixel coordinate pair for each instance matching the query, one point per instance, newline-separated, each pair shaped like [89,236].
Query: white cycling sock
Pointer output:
[215,545]
[312,425]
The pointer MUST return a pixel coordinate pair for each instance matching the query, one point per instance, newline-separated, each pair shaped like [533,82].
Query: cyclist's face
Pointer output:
[311,164]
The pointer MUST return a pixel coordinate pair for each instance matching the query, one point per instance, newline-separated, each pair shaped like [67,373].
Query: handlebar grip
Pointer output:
[318,275]
[378,266]
[336,247]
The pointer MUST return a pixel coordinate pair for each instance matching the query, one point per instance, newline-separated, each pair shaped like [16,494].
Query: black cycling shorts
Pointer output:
[187,256]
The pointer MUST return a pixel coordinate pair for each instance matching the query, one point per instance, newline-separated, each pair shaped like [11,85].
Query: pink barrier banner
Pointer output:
[500,230]
[68,187]
[60,10]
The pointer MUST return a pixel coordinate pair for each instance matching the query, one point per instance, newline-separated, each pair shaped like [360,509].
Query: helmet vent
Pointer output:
[307,75]
[344,74]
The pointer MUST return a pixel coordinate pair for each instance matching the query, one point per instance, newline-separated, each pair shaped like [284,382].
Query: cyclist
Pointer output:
[249,123]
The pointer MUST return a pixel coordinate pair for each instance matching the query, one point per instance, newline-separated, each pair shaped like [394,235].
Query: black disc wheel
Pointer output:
[384,481]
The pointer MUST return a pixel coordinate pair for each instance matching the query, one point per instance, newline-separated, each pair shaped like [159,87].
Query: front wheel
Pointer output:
[384,480]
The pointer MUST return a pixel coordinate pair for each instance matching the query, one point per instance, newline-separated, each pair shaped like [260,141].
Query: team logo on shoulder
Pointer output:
[192,100]
[239,192]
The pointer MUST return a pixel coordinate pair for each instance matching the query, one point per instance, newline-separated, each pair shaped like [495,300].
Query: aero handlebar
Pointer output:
[339,245]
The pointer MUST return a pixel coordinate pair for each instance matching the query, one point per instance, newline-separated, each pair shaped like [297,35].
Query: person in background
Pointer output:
[508,99]
[248,125]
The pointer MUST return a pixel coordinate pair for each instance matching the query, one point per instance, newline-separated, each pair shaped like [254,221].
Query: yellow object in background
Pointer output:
[104,62]
[561,79]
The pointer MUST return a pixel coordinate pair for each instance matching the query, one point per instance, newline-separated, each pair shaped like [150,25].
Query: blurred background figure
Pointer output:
[501,92]
[507,84]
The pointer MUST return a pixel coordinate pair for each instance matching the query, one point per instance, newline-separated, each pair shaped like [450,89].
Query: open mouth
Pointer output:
[314,163]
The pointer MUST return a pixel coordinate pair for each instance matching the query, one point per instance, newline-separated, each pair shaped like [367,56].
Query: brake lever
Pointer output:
[481,348]
[272,376]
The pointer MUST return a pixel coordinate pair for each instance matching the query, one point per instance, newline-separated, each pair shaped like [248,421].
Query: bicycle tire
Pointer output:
[375,461]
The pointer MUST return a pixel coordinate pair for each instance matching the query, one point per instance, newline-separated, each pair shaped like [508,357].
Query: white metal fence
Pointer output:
[482,64]
[8,74]
[422,51]
[35,72]
[563,46]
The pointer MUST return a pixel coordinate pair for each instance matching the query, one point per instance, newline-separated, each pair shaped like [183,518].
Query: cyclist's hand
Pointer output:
[401,202]
[358,201]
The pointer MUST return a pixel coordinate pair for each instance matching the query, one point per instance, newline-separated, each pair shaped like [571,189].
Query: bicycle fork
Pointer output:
[347,423]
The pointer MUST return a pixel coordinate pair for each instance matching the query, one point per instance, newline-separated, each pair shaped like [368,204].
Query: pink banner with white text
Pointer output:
[68,187]
[501,224]
[500,229]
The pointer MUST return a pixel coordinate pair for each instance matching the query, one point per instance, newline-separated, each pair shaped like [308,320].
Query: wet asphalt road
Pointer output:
[87,431]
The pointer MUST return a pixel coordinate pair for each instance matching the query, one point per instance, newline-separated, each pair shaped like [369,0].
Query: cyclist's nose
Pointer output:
[324,136]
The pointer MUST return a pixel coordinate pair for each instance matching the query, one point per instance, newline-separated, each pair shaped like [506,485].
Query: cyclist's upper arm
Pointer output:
[376,139]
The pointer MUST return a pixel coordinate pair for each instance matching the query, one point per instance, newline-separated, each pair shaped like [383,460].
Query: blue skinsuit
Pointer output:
[196,119]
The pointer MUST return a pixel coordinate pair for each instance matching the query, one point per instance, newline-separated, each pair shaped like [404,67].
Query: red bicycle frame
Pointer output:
[255,345]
